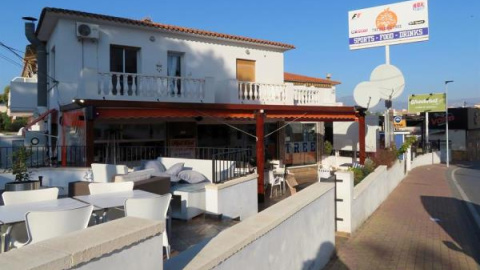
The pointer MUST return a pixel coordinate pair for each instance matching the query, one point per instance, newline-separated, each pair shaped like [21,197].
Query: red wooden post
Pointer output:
[260,133]
[361,138]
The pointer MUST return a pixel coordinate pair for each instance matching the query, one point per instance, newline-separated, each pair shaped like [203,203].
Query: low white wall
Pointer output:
[58,177]
[357,203]
[426,159]
[295,233]
[234,198]
[203,166]
[373,190]
[126,243]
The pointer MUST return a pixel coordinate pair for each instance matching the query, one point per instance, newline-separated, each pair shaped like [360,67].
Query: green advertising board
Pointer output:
[426,103]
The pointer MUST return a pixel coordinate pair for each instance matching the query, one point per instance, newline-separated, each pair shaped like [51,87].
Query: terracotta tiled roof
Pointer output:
[290,77]
[167,27]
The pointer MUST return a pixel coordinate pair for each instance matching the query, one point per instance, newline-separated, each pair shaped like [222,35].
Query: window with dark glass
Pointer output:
[174,71]
[123,63]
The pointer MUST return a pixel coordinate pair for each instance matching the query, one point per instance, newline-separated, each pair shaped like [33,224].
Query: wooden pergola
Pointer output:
[103,109]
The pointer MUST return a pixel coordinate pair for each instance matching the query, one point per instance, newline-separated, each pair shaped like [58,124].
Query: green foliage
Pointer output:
[409,141]
[19,166]
[4,96]
[6,123]
[327,148]
[360,173]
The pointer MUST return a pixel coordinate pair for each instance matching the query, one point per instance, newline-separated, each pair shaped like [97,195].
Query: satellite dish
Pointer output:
[366,94]
[389,80]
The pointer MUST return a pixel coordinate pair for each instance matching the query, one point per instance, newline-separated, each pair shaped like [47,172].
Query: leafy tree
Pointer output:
[4,96]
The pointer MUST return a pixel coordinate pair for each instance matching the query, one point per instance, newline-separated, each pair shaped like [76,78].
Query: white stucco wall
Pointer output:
[373,191]
[426,159]
[57,177]
[234,198]
[295,233]
[202,57]
[346,135]
[125,243]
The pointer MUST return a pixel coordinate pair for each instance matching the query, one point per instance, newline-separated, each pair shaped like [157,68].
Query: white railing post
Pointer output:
[344,201]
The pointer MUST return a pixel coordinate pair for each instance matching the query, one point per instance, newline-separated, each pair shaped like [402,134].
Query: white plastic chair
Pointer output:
[155,208]
[275,181]
[27,196]
[104,173]
[43,225]
[101,188]
[16,235]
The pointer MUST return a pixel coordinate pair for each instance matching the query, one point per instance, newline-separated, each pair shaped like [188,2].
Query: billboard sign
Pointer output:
[426,103]
[388,25]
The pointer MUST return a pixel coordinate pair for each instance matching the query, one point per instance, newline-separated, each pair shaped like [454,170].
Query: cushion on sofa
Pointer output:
[134,176]
[175,169]
[173,178]
[192,177]
[156,165]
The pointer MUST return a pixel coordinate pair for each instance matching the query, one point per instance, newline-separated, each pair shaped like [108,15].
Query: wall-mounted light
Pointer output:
[152,38]
[78,101]
[247,51]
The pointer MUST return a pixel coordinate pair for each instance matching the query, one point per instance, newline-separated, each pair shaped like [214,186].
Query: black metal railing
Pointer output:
[232,164]
[135,154]
[43,156]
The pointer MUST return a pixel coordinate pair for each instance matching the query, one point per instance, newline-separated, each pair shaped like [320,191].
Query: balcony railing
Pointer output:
[304,95]
[129,86]
[263,93]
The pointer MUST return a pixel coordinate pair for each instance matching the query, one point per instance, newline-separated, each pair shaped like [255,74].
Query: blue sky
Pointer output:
[319,30]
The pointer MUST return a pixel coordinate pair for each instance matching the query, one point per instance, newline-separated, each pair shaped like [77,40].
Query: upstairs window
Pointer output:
[123,61]
[245,70]
[174,72]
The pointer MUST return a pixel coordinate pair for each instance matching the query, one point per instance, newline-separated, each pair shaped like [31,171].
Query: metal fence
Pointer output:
[232,164]
[43,156]
[135,154]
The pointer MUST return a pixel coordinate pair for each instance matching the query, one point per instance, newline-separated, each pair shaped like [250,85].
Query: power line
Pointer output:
[11,61]
[12,50]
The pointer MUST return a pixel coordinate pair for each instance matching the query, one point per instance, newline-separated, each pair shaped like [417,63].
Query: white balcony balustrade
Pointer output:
[261,93]
[311,96]
[128,86]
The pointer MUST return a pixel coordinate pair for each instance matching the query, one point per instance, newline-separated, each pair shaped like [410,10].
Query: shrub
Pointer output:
[386,157]
[358,175]
[327,148]
[361,172]
[19,166]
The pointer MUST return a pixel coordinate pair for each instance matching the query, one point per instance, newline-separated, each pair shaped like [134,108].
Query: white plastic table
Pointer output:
[113,199]
[14,213]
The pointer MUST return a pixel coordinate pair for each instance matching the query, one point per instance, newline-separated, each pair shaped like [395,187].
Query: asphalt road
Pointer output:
[465,177]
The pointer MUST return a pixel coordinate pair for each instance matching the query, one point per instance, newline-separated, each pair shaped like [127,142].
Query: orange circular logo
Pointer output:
[386,20]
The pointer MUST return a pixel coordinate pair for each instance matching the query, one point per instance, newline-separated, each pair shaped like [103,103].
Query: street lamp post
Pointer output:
[446,122]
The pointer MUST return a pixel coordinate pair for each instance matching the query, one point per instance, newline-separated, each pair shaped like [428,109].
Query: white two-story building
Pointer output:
[114,85]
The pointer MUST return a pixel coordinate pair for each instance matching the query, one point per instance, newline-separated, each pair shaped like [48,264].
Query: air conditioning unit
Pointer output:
[87,30]
[35,138]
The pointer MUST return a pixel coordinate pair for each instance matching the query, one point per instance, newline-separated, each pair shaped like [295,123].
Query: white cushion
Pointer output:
[135,176]
[155,165]
[175,169]
[192,177]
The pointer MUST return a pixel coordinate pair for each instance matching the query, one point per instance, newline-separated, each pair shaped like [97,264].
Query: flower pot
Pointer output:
[23,185]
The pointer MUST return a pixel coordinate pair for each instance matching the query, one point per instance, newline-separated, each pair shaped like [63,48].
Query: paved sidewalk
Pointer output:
[421,225]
